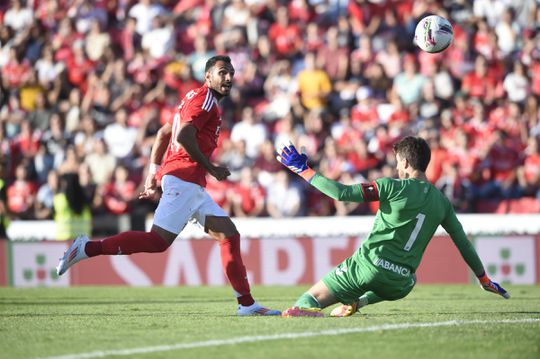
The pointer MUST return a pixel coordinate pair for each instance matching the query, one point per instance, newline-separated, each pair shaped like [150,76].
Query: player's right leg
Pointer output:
[171,216]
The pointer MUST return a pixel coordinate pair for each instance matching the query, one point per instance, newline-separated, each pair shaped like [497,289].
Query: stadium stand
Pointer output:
[90,81]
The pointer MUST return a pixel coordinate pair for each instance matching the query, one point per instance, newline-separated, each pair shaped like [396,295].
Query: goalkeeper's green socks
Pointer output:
[306,300]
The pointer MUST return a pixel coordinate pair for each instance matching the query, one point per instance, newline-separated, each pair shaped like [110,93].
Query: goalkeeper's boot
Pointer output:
[74,254]
[256,309]
[302,312]
[344,310]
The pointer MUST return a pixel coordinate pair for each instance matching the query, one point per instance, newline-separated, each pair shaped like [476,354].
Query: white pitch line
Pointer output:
[261,338]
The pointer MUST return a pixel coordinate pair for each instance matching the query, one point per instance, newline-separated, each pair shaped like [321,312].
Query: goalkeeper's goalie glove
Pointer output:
[491,286]
[296,162]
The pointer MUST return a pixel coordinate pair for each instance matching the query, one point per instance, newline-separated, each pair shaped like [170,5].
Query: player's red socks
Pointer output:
[127,243]
[231,260]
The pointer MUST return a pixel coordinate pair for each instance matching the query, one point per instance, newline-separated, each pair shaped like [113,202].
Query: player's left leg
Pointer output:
[224,231]
[220,227]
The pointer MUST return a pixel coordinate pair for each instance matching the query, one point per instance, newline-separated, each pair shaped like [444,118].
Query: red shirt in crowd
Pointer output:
[503,160]
[531,168]
[117,198]
[285,39]
[250,195]
[218,191]
[16,73]
[20,196]
[479,87]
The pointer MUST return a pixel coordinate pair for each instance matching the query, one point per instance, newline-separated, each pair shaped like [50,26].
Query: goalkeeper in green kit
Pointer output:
[383,268]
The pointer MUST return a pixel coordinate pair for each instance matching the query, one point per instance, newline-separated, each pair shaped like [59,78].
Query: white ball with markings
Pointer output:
[433,34]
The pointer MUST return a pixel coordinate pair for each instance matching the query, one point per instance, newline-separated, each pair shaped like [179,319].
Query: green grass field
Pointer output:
[458,322]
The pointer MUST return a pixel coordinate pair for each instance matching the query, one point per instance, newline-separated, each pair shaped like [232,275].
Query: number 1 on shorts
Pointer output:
[420,220]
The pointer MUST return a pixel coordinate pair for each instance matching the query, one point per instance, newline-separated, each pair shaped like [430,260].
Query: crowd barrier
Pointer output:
[276,252]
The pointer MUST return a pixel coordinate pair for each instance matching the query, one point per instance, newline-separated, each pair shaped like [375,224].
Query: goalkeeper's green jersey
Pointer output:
[409,213]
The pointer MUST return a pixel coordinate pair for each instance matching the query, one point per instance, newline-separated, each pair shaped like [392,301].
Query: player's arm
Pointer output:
[158,150]
[187,137]
[297,163]
[454,228]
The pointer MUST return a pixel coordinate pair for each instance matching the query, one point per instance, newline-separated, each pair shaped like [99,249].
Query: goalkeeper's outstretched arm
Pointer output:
[452,225]
[297,163]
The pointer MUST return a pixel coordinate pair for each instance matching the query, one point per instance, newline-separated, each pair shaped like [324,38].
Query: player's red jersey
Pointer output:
[199,107]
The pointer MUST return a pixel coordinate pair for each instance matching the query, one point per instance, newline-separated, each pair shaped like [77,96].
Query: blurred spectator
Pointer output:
[342,79]
[457,189]
[279,88]
[119,193]
[313,84]
[250,130]
[408,84]
[18,17]
[528,174]
[332,165]
[97,41]
[502,160]
[480,84]
[516,83]
[119,137]
[283,198]
[48,70]
[27,141]
[507,30]
[16,71]
[247,196]
[159,41]
[101,163]
[197,59]
[71,209]
[71,161]
[144,11]
[21,194]
[85,13]
[266,165]
[285,37]
[45,196]
[234,156]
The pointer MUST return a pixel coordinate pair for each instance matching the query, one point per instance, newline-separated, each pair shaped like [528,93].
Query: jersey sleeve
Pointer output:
[454,228]
[362,192]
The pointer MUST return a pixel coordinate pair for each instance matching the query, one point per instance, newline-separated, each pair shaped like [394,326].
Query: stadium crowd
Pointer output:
[85,85]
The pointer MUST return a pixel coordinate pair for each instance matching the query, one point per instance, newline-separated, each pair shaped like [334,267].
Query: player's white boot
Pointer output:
[256,309]
[74,254]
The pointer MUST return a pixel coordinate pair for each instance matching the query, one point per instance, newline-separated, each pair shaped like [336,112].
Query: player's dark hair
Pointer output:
[213,60]
[415,150]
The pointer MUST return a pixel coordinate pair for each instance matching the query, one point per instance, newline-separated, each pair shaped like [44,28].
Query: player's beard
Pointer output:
[220,89]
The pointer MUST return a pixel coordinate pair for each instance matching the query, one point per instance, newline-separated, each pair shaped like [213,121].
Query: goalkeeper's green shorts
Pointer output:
[356,276]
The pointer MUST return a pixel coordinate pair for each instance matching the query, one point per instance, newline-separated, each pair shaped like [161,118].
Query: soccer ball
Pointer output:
[433,34]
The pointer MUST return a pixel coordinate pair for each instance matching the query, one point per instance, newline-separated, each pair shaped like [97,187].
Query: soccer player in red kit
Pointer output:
[188,139]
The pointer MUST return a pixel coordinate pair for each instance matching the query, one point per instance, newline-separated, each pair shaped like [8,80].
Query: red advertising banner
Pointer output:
[270,261]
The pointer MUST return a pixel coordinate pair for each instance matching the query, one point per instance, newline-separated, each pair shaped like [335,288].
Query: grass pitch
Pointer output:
[187,322]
